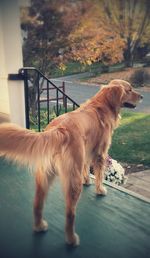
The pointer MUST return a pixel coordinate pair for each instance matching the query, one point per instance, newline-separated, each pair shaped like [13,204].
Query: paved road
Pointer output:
[80,92]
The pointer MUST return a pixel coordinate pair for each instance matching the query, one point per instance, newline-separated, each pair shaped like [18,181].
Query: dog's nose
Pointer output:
[141,97]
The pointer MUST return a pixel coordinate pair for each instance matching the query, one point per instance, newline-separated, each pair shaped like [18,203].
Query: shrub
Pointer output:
[140,77]
[114,172]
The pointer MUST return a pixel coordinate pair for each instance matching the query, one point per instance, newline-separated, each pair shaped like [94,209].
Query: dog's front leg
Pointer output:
[99,166]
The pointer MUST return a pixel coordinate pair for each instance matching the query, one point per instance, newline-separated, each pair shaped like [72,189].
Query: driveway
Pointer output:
[81,91]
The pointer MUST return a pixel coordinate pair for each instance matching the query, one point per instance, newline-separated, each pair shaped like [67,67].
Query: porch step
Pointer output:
[139,183]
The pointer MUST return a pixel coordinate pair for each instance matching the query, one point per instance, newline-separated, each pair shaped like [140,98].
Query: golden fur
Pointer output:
[68,146]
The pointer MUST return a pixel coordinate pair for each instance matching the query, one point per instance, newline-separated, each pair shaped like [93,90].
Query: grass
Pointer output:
[131,141]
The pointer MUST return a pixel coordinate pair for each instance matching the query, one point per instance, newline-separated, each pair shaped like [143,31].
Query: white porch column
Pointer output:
[11,92]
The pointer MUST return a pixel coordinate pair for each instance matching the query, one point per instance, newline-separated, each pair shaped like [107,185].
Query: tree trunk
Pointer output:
[34,95]
[129,54]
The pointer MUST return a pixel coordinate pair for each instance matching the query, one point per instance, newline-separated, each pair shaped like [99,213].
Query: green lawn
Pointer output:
[131,141]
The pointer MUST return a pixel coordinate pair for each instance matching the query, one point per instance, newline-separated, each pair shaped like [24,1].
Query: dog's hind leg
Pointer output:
[85,175]
[43,181]
[72,185]
[72,195]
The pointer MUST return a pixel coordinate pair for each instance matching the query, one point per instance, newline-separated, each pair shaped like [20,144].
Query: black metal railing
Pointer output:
[48,98]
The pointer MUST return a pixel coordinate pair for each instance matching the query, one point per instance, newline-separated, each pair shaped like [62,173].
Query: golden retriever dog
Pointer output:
[68,146]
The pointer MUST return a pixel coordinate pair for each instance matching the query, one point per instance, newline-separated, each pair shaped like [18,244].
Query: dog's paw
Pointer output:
[42,227]
[87,181]
[74,241]
[101,191]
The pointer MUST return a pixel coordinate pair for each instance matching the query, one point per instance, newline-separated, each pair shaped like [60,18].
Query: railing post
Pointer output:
[63,88]
[65,103]
[26,91]
[47,102]
[57,103]
[39,111]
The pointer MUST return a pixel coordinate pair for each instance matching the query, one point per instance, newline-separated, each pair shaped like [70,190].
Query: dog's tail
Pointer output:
[28,147]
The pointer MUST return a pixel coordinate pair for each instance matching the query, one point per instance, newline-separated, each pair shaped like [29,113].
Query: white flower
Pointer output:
[114,172]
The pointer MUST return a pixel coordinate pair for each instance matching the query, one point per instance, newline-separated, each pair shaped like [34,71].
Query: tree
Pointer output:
[87,31]
[130,19]
[94,40]
[46,25]
[111,30]
[39,45]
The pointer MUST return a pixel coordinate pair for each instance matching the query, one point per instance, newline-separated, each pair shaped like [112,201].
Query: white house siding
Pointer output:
[11,92]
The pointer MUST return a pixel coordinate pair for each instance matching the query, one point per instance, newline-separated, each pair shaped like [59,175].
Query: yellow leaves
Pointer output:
[96,44]
[88,62]
[94,39]
[62,67]
[104,30]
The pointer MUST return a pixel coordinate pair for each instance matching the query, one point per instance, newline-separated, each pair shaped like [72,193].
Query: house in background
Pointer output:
[12,104]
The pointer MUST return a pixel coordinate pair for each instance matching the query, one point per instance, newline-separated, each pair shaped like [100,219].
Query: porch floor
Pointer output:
[117,225]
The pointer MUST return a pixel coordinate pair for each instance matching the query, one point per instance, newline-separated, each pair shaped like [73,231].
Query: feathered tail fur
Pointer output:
[28,147]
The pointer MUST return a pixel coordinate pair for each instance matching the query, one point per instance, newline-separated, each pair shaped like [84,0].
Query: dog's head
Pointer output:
[121,94]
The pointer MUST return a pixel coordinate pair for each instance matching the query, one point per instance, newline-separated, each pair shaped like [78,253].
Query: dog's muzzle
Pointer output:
[131,105]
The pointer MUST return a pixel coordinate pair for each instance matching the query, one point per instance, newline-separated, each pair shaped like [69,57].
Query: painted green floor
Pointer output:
[114,226]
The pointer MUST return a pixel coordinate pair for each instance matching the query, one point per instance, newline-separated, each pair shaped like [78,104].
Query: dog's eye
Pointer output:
[129,90]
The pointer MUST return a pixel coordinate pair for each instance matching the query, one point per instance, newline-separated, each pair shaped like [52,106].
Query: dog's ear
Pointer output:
[114,95]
